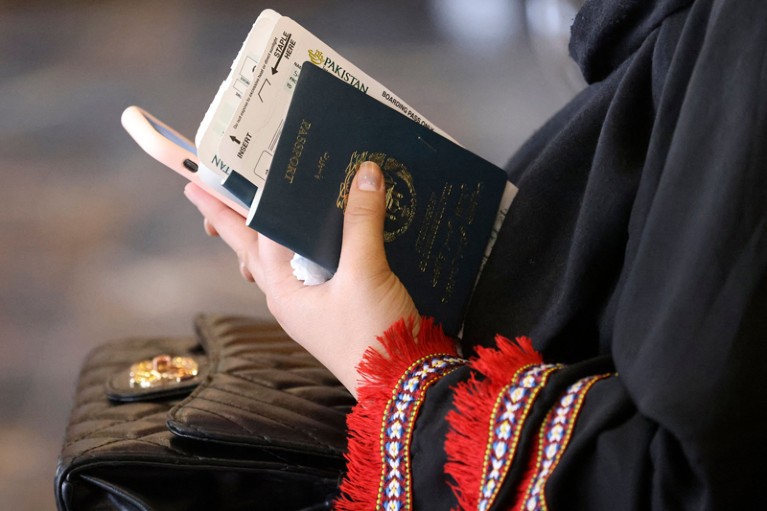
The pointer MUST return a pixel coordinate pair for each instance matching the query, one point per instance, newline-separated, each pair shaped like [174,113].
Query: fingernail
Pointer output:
[209,230]
[369,177]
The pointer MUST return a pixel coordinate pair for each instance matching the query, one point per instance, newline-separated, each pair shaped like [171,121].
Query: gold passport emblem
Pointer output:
[316,57]
[400,192]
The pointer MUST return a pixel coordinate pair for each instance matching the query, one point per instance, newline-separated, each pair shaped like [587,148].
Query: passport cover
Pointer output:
[441,199]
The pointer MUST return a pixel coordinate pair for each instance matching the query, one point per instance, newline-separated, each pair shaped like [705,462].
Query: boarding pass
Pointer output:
[248,143]
[231,92]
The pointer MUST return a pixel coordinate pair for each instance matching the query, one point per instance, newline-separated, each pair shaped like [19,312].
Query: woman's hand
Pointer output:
[338,320]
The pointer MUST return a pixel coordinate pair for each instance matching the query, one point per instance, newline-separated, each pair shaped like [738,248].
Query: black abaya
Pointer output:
[637,247]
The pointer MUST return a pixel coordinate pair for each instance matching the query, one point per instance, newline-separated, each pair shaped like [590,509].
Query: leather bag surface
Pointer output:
[261,427]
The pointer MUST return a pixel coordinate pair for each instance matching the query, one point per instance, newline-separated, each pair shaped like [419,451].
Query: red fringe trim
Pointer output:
[474,400]
[380,374]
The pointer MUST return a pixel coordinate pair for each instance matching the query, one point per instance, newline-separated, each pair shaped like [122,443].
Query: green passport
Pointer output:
[442,200]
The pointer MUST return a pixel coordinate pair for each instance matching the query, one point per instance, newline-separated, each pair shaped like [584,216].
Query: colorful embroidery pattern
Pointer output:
[394,493]
[509,414]
[554,437]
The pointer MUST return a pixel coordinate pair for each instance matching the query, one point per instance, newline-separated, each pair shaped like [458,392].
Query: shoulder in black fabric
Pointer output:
[559,255]
[606,32]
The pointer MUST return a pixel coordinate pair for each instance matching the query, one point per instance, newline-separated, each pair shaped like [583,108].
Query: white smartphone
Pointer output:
[176,152]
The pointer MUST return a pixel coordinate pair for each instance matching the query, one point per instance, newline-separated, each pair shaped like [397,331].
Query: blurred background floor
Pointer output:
[97,241]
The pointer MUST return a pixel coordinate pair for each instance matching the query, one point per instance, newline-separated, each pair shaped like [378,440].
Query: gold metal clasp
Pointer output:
[162,370]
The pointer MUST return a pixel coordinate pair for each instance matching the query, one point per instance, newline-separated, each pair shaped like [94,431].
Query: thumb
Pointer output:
[363,243]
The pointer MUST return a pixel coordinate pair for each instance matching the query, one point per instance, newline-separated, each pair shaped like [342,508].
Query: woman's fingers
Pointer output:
[230,226]
[261,260]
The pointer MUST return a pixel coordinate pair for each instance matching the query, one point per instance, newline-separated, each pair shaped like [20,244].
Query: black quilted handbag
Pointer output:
[263,426]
